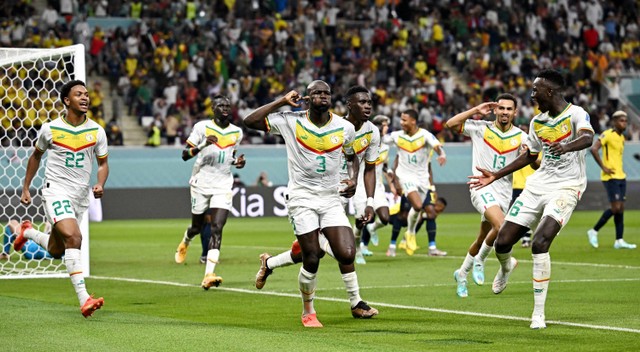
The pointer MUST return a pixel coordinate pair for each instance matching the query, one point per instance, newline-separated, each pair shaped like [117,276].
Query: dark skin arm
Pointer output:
[103,173]
[596,155]
[353,167]
[189,152]
[584,140]
[32,167]
[369,187]
[256,119]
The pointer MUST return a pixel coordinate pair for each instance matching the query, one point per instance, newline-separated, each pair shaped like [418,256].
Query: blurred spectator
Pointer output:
[437,57]
[237,182]
[263,180]
[171,125]
[114,133]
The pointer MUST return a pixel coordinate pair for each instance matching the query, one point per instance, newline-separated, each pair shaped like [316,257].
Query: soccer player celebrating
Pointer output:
[561,132]
[380,202]
[315,139]
[495,144]
[73,141]
[214,142]
[366,146]
[613,177]
[411,169]
[359,108]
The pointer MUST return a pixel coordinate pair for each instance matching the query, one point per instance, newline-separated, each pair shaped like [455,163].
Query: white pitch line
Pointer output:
[419,255]
[380,304]
[510,283]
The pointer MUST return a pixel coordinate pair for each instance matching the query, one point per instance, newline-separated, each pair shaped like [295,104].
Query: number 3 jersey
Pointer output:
[494,149]
[71,151]
[212,169]
[314,152]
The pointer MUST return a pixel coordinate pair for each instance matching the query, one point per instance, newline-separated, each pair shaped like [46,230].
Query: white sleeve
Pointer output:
[349,137]
[44,138]
[371,155]
[197,135]
[533,142]
[275,121]
[582,121]
[101,149]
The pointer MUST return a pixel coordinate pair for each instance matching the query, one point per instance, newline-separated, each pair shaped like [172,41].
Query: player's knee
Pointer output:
[345,255]
[539,245]
[216,228]
[384,219]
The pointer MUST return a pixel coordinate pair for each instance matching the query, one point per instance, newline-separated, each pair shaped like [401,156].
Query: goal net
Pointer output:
[29,92]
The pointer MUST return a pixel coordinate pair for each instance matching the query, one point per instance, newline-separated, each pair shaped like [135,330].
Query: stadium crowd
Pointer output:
[438,57]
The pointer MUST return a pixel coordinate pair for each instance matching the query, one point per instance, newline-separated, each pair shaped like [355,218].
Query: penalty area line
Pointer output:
[380,304]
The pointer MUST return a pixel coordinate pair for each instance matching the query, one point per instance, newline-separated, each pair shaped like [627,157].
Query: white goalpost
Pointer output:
[30,80]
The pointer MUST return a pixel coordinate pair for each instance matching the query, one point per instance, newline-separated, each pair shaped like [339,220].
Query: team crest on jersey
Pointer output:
[74,140]
[410,145]
[561,203]
[502,144]
[362,142]
[225,140]
[553,132]
[321,143]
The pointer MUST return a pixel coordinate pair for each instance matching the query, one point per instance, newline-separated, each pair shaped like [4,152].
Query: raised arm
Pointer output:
[455,123]
[256,119]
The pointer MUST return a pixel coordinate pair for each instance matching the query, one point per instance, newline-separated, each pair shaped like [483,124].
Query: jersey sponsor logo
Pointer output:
[74,140]
[319,142]
[225,139]
[502,144]
[410,145]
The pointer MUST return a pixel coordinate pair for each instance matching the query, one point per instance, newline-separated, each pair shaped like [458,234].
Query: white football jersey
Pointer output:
[71,151]
[414,153]
[212,169]
[366,145]
[494,149]
[566,171]
[314,152]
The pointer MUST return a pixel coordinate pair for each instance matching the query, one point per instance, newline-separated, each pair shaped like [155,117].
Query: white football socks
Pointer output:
[212,259]
[412,221]
[485,249]
[41,238]
[541,277]
[280,260]
[74,268]
[353,289]
[307,282]
[466,266]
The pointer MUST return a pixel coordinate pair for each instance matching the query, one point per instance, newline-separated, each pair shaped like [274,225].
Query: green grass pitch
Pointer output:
[153,304]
